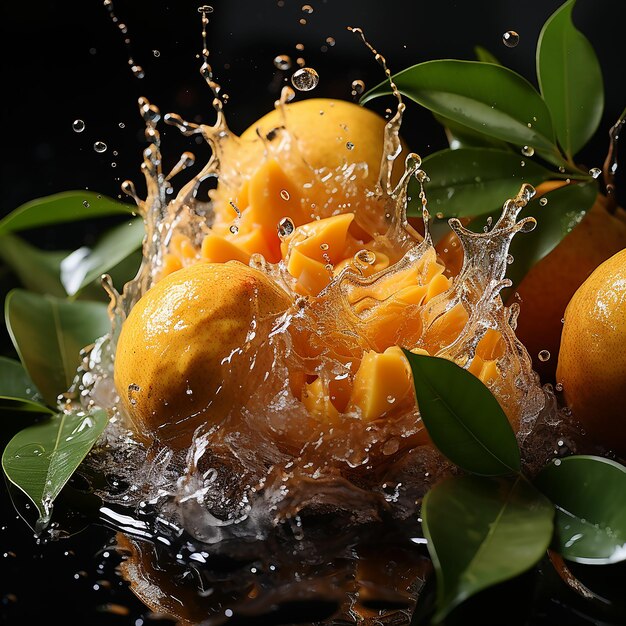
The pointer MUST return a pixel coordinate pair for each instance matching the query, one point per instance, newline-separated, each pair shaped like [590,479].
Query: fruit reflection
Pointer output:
[360,579]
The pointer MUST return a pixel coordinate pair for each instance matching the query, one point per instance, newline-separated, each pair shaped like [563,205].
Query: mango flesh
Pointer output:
[180,377]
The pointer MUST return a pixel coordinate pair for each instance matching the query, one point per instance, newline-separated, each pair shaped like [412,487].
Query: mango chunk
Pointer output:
[313,246]
[216,249]
[382,380]
[317,401]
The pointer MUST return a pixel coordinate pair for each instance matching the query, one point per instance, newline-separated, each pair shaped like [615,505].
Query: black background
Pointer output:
[64,61]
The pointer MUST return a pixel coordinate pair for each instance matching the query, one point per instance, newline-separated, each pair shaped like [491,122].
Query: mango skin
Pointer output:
[592,357]
[187,346]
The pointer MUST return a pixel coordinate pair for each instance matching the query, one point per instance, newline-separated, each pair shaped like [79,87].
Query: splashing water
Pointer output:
[267,463]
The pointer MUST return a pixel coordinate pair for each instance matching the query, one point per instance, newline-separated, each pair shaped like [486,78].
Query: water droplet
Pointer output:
[300,46]
[330,41]
[234,229]
[510,38]
[137,70]
[358,87]
[305,79]
[365,257]
[307,8]
[205,9]
[561,169]
[523,163]
[156,53]
[391,399]
[544,355]
[509,259]
[284,194]
[528,151]
[78,126]
[543,201]
[285,227]
[100,146]
[86,204]
[557,462]
[324,246]
[302,21]
[349,145]
[595,172]
[559,387]
[282,62]
[122,125]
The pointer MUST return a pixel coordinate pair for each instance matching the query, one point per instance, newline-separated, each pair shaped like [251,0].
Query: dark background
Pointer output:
[64,61]
[67,60]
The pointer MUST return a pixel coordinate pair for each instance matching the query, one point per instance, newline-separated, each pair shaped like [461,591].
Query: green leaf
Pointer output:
[68,206]
[17,390]
[482,54]
[570,80]
[565,208]
[37,270]
[483,531]
[473,181]
[41,459]
[463,418]
[460,136]
[49,333]
[488,98]
[83,266]
[589,493]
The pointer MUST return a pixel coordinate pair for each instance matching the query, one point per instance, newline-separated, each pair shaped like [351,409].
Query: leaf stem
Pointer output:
[610,163]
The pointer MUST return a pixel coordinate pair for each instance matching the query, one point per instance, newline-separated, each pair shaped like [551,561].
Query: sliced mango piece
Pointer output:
[312,247]
[382,381]
[317,401]
[216,249]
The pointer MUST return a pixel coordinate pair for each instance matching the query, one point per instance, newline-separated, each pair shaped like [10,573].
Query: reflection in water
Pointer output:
[370,575]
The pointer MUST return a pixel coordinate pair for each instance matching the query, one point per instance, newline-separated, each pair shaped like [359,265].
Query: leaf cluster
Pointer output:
[503,132]
[492,522]
[58,311]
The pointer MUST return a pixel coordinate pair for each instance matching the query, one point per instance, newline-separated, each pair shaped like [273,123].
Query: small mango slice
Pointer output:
[312,247]
[382,381]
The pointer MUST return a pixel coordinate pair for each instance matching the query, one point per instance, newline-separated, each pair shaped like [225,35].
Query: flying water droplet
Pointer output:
[595,172]
[510,38]
[358,87]
[285,227]
[543,201]
[349,145]
[305,79]
[78,126]
[100,146]
[282,62]
[528,151]
[544,355]
[307,8]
